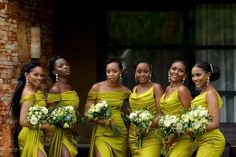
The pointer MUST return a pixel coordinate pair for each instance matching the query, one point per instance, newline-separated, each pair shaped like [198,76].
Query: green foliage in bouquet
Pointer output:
[62,116]
[102,111]
[142,119]
[37,115]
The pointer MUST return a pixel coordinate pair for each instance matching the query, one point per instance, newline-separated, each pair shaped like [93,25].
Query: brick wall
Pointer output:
[16,18]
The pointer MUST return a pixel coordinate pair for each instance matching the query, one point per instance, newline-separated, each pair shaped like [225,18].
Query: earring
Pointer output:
[27,81]
[168,77]
[56,77]
[150,79]
[208,81]
[183,80]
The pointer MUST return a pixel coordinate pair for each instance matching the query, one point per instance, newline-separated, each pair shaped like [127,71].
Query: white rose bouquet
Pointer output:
[169,125]
[102,111]
[62,116]
[37,115]
[196,120]
[142,119]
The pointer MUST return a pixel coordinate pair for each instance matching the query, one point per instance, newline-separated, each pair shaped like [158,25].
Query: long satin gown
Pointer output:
[61,135]
[103,139]
[172,105]
[32,140]
[151,143]
[211,143]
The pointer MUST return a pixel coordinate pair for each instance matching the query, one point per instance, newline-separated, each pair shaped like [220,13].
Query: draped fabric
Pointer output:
[107,144]
[172,105]
[151,143]
[32,140]
[61,135]
[211,143]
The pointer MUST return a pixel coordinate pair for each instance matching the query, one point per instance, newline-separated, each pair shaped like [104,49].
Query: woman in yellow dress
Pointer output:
[145,95]
[211,143]
[104,143]
[64,140]
[175,99]
[29,140]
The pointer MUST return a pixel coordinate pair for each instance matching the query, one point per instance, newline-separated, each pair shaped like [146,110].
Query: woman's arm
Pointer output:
[158,92]
[185,96]
[23,114]
[213,107]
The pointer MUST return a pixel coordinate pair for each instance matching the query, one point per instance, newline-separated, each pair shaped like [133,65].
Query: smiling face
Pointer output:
[177,72]
[35,77]
[199,77]
[62,68]
[113,72]
[143,72]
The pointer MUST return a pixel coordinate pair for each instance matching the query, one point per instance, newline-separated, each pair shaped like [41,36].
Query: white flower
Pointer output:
[167,123]
[179,127]
[97,110]
[62,116]
[100,110]
[34,120]
[197,125]
[37,115]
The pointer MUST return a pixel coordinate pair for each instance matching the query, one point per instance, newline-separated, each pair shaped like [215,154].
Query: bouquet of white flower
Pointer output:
[37,115]
[169,125]
[196,120]
[62,116]
[142,119]
[102,111]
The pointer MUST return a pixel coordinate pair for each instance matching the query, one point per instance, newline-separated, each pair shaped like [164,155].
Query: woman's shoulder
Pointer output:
[27,92]
[28,96]
[157,86]
[95,87]
[211,92]
[182,88]
[55,89]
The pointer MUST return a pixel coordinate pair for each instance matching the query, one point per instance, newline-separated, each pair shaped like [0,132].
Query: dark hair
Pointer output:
[15,106]
[138,61]
[114,60]
[180,61]
[214,70]
[51,66]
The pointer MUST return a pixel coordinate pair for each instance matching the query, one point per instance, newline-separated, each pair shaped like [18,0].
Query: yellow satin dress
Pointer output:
[151,143]
[103,139]
[61,135]
[211,143]
[32,140]
[172,105]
